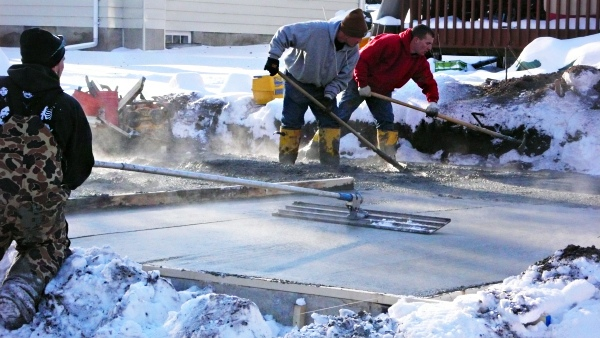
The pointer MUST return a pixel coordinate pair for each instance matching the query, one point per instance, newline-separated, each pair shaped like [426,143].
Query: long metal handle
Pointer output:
[398,165]
[225,179]
[451,119]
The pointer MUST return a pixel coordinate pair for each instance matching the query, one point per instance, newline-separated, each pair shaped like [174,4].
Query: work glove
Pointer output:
[327,102]
[272,66]
[432,110]
[365,91]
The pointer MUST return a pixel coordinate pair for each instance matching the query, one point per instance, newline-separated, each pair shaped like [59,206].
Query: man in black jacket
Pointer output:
[45,152]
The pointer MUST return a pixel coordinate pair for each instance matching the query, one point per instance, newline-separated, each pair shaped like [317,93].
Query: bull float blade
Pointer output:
[375,219]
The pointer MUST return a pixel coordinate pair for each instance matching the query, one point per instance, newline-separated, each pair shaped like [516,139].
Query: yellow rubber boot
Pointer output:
[289,142]
[386,142]
[329,146]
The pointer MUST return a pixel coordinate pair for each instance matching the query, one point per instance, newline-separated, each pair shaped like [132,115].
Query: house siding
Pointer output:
[239,16]
[143,23]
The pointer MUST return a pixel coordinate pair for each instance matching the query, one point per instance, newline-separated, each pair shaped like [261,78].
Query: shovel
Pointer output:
[459,122]
[386,157]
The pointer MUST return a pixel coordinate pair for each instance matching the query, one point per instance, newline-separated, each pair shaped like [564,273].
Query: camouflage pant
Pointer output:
[32,199]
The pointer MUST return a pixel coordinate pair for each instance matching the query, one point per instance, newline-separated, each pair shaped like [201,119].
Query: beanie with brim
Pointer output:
[354,24]
[41,47]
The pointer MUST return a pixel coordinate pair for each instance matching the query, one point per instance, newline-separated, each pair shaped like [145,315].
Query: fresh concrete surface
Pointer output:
[485,242]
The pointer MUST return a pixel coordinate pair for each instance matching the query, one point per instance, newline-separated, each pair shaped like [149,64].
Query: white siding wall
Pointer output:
[112,13]
[130,13]
[69,13]
[133,14]
[248,16]
[156,14]
[122,22]
[214,16]
[79,13]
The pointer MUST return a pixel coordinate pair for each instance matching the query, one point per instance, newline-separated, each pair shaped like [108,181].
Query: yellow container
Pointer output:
[266,88]
[364,42]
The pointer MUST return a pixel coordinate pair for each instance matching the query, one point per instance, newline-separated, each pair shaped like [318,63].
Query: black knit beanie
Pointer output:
[354,24]
[41,47]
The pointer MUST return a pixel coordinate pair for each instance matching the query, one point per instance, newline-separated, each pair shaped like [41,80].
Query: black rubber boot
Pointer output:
[19,296]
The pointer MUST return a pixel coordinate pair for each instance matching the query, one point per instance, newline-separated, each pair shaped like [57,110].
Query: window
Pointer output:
[178,38]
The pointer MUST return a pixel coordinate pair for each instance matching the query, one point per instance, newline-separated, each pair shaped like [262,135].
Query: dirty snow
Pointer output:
[98,293]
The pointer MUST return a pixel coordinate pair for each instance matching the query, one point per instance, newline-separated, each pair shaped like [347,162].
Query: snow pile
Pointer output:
[97,293]
[577,51]
[567,122]
[347,324]
[187,81]
[562,291]
[557,297]
[583,80]
[216,315]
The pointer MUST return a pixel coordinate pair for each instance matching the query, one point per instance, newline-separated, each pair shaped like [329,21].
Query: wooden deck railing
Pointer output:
[491,26]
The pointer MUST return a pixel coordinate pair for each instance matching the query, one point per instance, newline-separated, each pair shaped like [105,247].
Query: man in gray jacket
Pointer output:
[321,61]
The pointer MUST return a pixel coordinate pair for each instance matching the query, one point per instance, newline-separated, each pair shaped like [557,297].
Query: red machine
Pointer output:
[125,115]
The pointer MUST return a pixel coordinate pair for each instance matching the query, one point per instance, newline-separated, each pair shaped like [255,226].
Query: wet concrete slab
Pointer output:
[485,242]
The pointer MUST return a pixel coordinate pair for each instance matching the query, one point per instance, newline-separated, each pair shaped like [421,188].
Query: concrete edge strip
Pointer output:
[287,286]
[450,296]
[200,195]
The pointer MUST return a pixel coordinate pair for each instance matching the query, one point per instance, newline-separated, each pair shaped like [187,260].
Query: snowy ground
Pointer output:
[98,293]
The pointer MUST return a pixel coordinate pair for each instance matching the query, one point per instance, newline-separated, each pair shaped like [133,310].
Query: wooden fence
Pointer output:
[490,27]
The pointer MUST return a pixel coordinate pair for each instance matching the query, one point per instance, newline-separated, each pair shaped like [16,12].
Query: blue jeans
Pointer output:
[381,110]
[295,104]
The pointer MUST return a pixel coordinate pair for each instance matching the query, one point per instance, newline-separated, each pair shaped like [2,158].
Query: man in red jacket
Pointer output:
[388,62]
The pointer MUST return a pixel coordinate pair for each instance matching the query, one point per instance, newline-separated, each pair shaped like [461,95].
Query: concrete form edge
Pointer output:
[200,195]
[287,286]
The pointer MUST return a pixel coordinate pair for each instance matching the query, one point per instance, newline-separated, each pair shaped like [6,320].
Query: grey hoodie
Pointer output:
[313,58]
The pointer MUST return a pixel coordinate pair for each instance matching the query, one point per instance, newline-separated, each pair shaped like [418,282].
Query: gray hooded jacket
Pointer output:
[313,58]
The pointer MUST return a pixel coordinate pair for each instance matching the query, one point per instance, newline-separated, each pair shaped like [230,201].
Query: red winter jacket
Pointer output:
[385,64]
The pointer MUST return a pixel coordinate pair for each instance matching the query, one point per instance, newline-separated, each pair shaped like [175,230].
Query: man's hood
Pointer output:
[34,78]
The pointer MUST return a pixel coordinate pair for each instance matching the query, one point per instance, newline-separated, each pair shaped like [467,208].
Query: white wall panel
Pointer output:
[251,17]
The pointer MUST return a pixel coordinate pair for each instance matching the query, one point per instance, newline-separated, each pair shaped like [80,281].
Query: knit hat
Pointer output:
[41,47]
[354,24]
